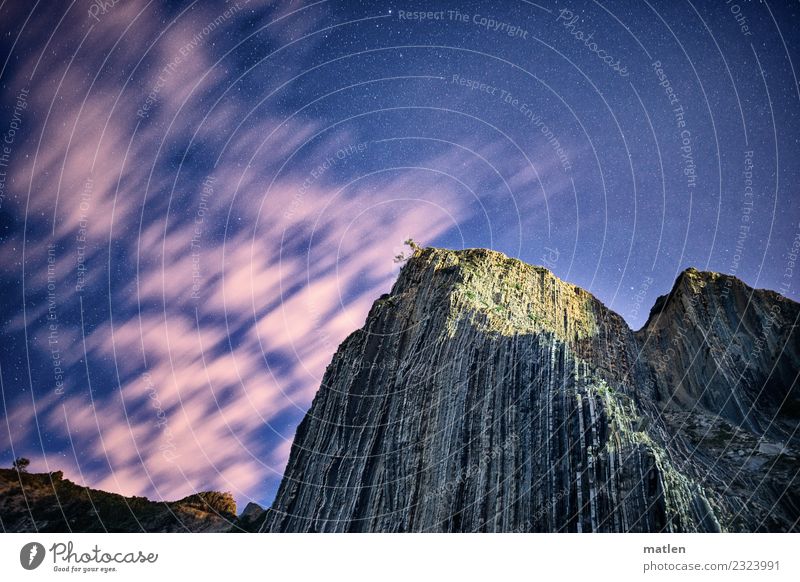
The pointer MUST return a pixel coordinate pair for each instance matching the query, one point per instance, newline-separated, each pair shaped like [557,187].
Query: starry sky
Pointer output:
[199,201]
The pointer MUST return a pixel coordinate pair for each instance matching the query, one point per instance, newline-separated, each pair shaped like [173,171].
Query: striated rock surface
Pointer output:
[485,394]
[46,502]
[725,362]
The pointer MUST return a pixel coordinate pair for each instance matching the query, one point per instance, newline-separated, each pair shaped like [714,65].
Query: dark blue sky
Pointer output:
[199,202]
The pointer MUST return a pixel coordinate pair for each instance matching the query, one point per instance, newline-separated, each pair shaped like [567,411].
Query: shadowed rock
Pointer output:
[46,502]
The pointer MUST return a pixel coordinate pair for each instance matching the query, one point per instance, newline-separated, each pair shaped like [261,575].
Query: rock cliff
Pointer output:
[485,394]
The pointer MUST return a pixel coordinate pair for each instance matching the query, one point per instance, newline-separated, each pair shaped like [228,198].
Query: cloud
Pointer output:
[213,295]
[221,245]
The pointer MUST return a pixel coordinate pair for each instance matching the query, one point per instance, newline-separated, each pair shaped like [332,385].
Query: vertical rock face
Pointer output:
[485,394]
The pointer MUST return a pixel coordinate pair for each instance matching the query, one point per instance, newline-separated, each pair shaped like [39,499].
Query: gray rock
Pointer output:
[485,394]
[770,448]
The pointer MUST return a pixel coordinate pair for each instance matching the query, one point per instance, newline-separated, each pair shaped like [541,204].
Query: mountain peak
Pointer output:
[695,290]
[500,294]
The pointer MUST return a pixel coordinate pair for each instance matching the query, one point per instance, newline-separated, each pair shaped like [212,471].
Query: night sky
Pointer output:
[199,201]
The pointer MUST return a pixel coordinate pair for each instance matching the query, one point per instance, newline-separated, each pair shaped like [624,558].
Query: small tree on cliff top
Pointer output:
[21,464]
[409,242]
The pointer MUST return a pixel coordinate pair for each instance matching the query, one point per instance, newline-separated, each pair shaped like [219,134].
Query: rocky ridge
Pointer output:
[46,502]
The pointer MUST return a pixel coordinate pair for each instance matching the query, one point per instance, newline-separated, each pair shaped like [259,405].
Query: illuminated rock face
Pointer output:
[484,394]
